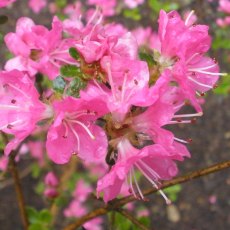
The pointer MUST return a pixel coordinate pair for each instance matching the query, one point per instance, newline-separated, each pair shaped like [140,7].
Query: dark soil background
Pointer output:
[203,204]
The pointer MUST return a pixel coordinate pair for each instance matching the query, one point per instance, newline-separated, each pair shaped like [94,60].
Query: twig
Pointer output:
[126,214]
[8,182]
[18,190]
[117,203]
[17,184]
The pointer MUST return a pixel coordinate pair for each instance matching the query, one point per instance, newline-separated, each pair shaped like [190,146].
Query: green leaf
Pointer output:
[61,3]
[70,71]
[59,84]
[40,187]
[45,216]
[173,192]
[75,86]
[155,5]
[36,170]
[74,53]
[224,86]
[147,57]
[32,214]
[133,14]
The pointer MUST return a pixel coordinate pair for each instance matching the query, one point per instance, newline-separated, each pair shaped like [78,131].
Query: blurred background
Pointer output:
[202,204]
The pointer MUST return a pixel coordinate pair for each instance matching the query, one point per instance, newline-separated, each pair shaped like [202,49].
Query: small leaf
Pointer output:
[59,84]
[70,71]
[45,216]
[133,14]
[32,214]
[147,57]
[75,86]
[74,53]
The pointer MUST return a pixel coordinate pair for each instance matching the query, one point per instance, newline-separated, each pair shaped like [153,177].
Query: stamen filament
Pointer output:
[199,83]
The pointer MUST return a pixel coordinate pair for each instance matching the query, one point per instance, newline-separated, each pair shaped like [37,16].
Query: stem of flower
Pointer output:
[117,203]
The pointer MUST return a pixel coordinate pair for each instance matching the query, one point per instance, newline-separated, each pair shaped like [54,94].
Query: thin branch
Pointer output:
[117,203]
[129,216]
[18,190]
[17,184]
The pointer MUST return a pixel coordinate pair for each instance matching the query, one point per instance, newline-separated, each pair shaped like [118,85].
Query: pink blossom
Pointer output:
[74,131]
[152,161]
[133,3]
[94,224]
[82,190]
[51,180]
[20,107]
[33,50]
[4,3]
[4,160]
[37,149]
[37,5]
[50,192]
[224,6]
[75,209]
[108,7]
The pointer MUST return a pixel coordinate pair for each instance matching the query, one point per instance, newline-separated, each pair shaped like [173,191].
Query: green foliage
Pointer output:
[224,86]
[36,170]
[75,86]
[70,71]
[40,187]
[74,53]
[148,58]
[157,5]
[133,14]
[61,3]
[173,192]
[39,220]
[59,84]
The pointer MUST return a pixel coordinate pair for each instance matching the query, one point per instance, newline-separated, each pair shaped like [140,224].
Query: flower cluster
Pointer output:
[111,106]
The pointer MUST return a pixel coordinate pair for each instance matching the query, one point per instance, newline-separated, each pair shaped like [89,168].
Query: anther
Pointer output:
[135,82]
[215,86]
[189,140]
[9,126]
[13,101]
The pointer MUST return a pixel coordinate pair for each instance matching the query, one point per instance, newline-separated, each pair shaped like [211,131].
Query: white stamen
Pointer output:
[194,55]
[180,140]
[189,115]
[123,88]
[131,184]
[64,60]
[199,83]
[180,122]
[9,107]
[19,90]
[189,16]
[11,123]
[209,73]
[76,135]
[137,185]
[204,68]
[84,127]
[111,80]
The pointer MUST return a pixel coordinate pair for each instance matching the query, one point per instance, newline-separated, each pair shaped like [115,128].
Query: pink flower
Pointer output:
[152,161]
[37,149]
[108,7]
[37,5]
[4,160]
[129,86]
[33,50]
[4,3]
[224,6]
[133,3]
[51,180]
[75,209]
[50,192]
[20,107]
[82,190]
[74,131]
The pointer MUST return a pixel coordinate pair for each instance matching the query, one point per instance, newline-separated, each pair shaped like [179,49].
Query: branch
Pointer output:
[117,203]
[18,190]
[17,184]
[126,214]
